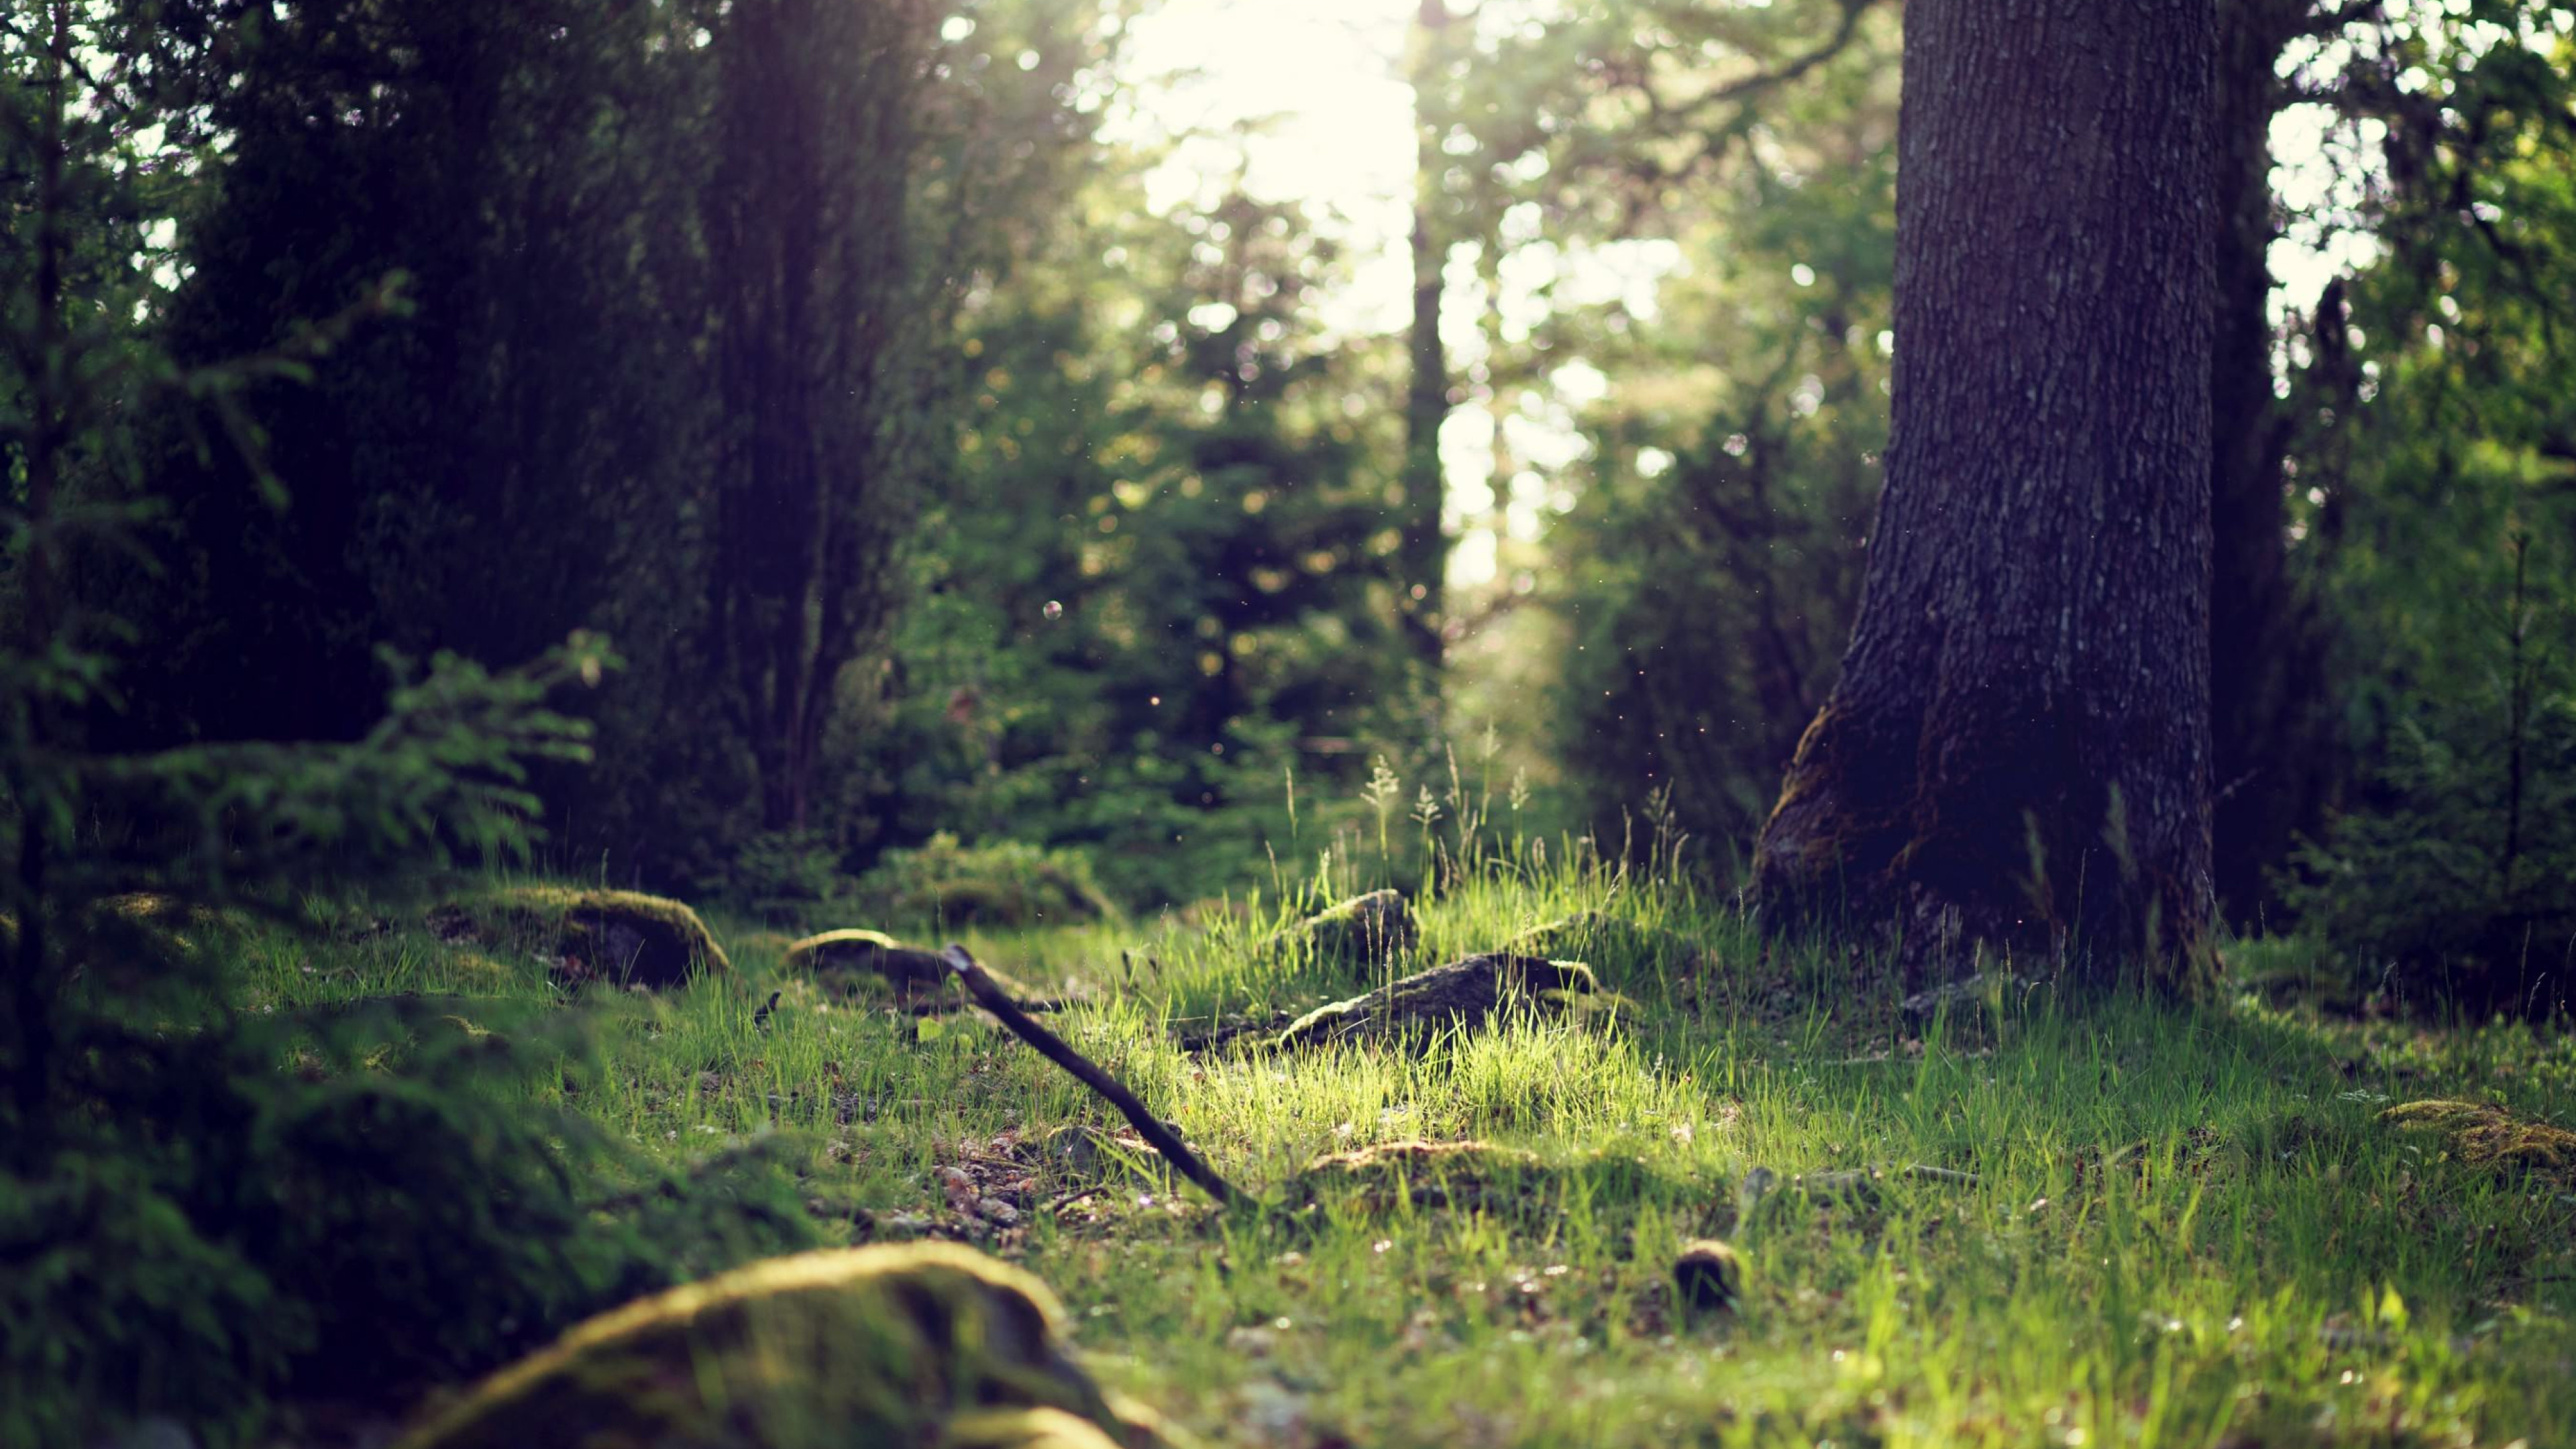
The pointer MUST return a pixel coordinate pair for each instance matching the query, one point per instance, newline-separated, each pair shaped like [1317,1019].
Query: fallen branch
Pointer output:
[989,994]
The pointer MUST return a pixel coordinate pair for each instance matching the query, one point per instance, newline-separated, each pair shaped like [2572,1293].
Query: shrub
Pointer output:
[1004,883]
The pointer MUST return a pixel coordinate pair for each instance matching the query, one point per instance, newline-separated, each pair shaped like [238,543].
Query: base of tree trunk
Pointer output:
[2016,853]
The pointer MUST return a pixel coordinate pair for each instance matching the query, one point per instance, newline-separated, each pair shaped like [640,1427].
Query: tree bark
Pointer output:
[2266,664]
[1423,555]
[814,284]
[2018,751]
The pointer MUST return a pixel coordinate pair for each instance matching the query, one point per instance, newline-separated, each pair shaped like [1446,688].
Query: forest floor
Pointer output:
[2183,1226]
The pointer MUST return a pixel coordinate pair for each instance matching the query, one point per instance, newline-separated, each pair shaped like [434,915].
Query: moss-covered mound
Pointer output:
[1024,1429]
[854,960]
[2484,1135]
[1363,931]
[918,1344]
[1598,936]
[1464,993]
[624,937]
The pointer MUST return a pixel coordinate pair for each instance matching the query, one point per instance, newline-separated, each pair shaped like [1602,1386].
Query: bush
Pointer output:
[226,1237]
[2445,886]
[1004,883]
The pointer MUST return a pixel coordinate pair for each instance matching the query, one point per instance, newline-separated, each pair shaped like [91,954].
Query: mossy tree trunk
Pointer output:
[2018,751]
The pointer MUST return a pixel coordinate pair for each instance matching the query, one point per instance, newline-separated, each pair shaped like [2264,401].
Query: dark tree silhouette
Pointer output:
[2018,751]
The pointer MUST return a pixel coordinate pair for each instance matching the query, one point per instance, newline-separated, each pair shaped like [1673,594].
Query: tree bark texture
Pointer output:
[814,300]
[2018,751]
[2269,763]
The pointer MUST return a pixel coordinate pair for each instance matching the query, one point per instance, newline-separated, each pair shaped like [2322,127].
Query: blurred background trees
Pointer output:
[939,466]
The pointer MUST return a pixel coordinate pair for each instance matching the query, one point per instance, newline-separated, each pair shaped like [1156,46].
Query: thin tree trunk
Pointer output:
[1423,556]
[2264,673]
[2018,749]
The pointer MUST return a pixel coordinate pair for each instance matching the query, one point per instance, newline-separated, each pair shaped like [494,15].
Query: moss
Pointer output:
[880,1345]
[2489,1136]
[625,937]
[850,959]
[1468,1173]
[1024,1429]
[1366,930]
[1463,993]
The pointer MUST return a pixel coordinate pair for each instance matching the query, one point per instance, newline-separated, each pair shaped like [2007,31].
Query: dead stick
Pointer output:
[990,995]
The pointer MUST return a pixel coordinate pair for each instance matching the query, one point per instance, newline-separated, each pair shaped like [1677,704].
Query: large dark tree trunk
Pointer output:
[2018,751]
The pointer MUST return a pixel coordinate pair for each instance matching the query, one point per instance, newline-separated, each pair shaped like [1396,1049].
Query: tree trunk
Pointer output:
[2266,679]
[2018,750]
[814,288]
[1423,556]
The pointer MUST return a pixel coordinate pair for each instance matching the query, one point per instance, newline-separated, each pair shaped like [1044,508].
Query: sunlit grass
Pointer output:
[2187,1225]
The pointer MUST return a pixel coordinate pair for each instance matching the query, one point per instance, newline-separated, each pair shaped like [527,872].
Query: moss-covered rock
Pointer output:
[2485,1135]
[854,960]
[624,937]
[1463,993]
[1366,930]
[1024,1429]
[918,1344]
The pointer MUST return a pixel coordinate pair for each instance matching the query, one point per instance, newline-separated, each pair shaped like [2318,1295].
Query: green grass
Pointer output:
[2188,1227]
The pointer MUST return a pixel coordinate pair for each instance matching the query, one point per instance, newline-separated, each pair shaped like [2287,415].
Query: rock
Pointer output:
[1464,993]
[2485,1135]
[1365,930]
[848,960]
[876,1345]
[623,937]
[1599,936]
[1708,1275]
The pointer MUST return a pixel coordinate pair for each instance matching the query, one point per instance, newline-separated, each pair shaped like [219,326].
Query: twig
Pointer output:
[989,993]
[1058,1205]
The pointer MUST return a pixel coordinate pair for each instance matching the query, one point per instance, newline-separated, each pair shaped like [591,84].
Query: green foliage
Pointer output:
[2451,883]
[2433,516]
[395,1213]
[1002,883]
[680,276]
[193,1229]
[1708,568]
